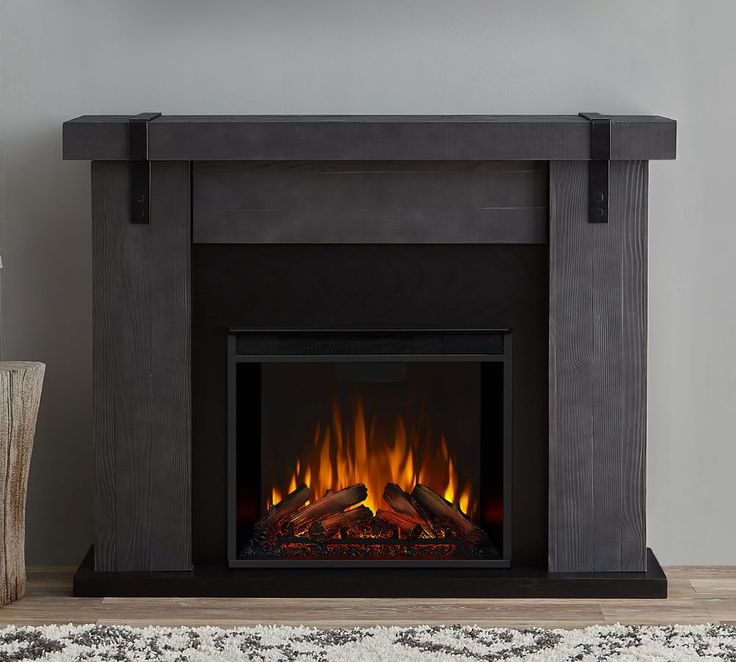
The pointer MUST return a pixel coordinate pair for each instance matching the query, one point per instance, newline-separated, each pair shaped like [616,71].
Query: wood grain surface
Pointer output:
[571,514]
[20,396]
[370,202]
[696,595]
[141,367]
[598,318]
[369,137]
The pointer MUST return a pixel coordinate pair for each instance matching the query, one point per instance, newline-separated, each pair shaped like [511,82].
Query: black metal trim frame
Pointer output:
[600,166]
[139,167]
[353,345]
[503,356]
[508,407]
[232,473]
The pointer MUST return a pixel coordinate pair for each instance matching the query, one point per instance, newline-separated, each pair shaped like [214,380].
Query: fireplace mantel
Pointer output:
[475,181]
[369,137]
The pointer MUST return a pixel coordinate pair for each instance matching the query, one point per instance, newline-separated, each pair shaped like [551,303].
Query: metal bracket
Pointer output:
[600,166]
[139,167]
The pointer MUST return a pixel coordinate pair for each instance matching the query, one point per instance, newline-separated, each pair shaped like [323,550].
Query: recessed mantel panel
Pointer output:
[373,202]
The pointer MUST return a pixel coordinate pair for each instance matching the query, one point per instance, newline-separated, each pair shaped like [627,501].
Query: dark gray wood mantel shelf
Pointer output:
[371,180]
[369,137]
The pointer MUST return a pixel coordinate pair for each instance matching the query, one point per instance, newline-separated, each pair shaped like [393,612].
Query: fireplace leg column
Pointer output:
[141,330]
[597,355]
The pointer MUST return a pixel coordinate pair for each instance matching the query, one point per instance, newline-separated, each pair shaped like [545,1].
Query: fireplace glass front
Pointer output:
[369,448]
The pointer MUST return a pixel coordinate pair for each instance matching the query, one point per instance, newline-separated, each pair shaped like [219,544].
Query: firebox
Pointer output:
[373,448]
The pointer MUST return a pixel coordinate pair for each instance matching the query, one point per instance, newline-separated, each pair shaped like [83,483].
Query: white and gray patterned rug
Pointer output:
[446,643]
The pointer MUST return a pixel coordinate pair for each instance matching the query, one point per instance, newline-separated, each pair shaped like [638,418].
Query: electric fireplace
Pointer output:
[374,448]
[304,379]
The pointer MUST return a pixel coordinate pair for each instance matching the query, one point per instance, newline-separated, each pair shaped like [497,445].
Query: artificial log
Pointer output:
[401,502]
[280,512]
[20,394]
[348,519]
[378,528]
[328,505]
[405,524]
[441,508]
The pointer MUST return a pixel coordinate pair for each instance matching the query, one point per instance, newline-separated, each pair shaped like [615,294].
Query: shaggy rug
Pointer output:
[449,643]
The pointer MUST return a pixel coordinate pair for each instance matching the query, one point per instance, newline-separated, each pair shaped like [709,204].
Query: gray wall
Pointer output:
[61,58]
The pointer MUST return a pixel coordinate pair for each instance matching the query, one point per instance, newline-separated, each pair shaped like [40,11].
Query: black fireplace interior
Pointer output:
[381,447]
[339,417]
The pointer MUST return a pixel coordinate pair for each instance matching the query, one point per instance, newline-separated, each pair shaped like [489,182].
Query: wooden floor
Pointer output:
[697,595]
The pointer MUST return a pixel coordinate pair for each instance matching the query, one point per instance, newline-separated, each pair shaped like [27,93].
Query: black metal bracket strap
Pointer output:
[139,167]
[600,166]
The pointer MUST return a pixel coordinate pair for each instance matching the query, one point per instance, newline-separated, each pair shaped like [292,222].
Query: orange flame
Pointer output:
[345,452]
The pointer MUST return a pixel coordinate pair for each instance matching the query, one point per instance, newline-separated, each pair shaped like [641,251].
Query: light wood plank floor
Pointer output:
[697,595]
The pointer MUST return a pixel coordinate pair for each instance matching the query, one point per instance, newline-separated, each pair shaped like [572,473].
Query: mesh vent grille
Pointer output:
[364,344]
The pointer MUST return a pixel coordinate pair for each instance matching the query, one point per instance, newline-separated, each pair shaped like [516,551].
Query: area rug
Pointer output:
[446,643]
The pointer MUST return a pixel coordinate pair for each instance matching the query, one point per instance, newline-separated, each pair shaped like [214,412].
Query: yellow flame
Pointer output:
[349,450]
[451,487]
[276,496]
[464,500]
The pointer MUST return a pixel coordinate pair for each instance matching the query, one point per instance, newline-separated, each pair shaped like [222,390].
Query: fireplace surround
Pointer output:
[374,356]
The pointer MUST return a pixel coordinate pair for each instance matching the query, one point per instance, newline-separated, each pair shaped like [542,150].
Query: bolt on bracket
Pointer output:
[599,166]
[139,167]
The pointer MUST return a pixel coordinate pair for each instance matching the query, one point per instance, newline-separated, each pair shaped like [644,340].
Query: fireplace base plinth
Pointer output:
[221,581]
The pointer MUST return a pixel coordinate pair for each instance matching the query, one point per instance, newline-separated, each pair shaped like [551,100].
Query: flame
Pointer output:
[349,450]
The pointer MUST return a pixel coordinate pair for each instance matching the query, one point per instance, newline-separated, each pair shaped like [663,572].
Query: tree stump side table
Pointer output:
[20,394]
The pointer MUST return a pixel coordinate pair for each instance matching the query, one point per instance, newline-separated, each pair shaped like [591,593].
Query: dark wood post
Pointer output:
[141,316]
[597,367]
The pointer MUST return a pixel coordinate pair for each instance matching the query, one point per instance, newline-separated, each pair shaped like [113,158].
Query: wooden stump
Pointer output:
[20,393]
